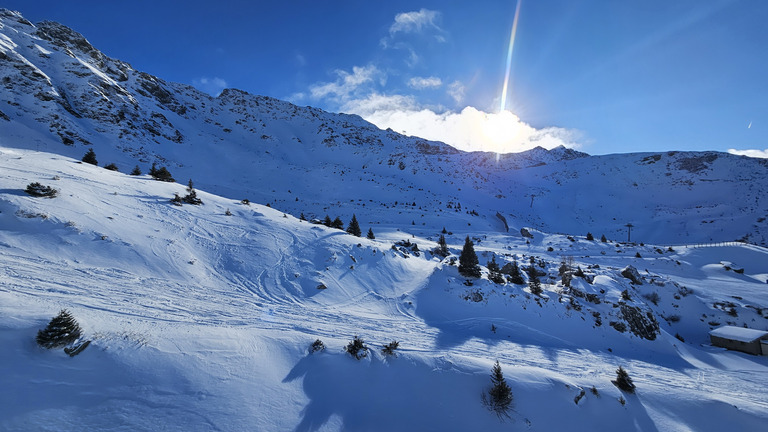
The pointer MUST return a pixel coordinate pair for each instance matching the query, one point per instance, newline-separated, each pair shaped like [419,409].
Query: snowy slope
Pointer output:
[64,96]
[202,320]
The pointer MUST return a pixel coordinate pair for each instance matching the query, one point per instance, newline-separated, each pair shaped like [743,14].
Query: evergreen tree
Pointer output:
[603,239]
[337,223]
[302,217]
[370,234]
[494,273]
[623,381]
[590,237]
[512,270]
[533,281]
[469,265]
[61,330]
[442,247]
[112,167]
[353,227]
[90,157]
[161,174]
[136,171]
[38,190]
[152,169]
[191,196]
[499,397]
[327,221]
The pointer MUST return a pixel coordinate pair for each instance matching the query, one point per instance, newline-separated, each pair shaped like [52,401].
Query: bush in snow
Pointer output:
[389,349]
[112,167]
[370,234]
[90,157]
[37,190]
[356,348]
[468,263]
[623,381]
[136,171]
[337,223]
[191,196]
[316,346]
[61,330]
[498,398]
[161,174]
[534,285]
[590,237]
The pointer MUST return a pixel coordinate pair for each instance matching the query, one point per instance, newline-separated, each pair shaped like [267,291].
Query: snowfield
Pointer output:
[203,321]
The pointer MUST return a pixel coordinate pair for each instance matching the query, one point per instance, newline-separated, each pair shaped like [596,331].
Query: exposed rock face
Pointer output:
[632,274]
[641,324]
[525,233]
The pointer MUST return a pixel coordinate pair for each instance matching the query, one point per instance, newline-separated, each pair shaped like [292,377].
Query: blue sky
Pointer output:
[603,76]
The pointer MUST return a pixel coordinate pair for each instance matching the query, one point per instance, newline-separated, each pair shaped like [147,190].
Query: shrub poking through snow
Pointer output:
[38,190]
[498,398]
[61,330]
[370,235]
[161,174]
[316,346]
[356,348]
[623,381]
[112,167]
[136,171]
[389,349]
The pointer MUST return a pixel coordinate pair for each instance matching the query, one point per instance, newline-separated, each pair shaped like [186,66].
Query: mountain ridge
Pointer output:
[62,90]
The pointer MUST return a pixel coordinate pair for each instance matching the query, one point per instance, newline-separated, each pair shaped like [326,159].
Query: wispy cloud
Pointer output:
[420,83]
[751,153]
[456,90]
[415,22]
[212,86]
[347,83]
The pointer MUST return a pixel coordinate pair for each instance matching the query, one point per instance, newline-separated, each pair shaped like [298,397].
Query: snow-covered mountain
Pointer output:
[64,96]
[201,317]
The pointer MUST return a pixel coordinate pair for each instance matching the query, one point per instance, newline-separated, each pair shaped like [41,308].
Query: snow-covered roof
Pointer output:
[738,333]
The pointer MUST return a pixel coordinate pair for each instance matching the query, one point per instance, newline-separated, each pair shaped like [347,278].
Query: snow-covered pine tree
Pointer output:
[61,330]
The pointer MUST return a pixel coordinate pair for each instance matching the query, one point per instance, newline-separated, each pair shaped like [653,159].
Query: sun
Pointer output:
[502,131]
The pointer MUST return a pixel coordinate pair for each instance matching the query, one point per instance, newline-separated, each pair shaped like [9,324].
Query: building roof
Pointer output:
[740,334]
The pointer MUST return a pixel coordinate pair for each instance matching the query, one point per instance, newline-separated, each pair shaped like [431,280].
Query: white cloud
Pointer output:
[414,22]
[346,83]
[456,91]
[468,130]
[420,83]
[212,86]
[751,153]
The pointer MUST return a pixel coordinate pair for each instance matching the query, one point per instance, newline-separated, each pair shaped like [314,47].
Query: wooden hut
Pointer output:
[742,339]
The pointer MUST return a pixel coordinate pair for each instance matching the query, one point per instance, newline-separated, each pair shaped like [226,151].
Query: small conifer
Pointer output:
[370,234]
[499,397]
[623,381]
[136,171]
[61,330]
[469,265]
[353,227]
[90,157]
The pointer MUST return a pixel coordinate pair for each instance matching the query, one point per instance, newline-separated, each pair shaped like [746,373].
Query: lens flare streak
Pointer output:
[505,87]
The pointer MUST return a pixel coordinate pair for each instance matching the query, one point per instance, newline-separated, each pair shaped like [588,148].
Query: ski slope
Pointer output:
[202,321]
